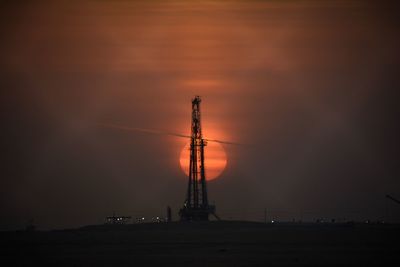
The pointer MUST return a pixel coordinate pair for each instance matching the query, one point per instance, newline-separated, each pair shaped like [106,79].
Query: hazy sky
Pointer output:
[311,84]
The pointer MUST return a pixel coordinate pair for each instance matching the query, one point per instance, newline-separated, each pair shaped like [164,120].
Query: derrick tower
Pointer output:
[196,207]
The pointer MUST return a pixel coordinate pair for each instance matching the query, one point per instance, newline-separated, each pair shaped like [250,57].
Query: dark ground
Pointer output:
[206,244]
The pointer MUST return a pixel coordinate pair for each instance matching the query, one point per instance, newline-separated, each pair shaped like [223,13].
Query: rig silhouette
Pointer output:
[196,206]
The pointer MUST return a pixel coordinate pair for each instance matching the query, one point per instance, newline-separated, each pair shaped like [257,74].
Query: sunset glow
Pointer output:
[96,104]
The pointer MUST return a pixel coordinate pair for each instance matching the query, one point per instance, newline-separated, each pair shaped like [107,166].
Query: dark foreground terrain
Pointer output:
[206,244]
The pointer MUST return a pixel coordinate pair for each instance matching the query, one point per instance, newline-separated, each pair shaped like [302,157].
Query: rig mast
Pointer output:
[196,207]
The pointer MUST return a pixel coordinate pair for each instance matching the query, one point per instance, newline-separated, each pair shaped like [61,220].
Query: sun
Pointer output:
[215,160]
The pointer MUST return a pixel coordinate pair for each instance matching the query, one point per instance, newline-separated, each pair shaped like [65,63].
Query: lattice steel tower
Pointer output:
[196,207]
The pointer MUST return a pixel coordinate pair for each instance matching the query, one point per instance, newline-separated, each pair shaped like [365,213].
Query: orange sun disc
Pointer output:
[215,160]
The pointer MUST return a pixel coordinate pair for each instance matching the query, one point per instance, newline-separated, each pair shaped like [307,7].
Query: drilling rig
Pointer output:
[196,207]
